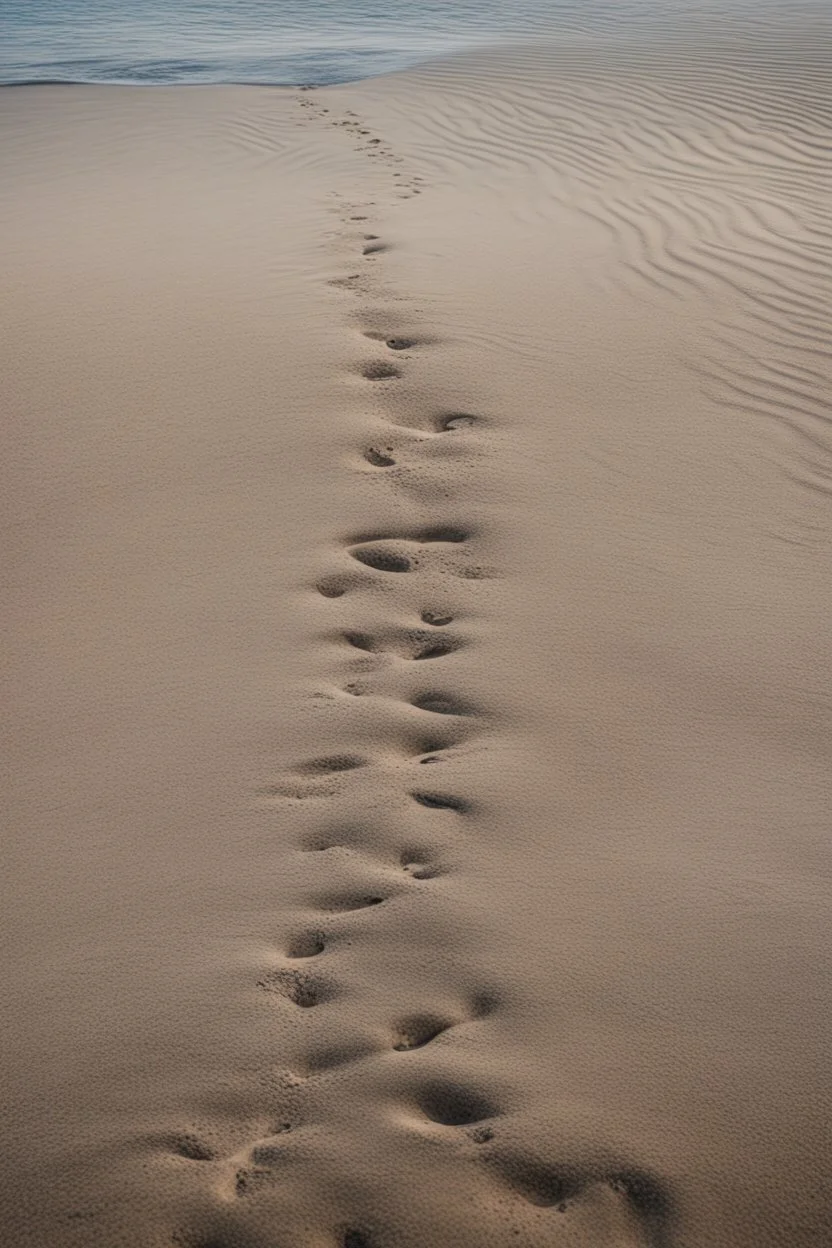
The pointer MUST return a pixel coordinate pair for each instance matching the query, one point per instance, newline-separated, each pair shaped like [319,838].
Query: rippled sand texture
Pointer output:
[420,599]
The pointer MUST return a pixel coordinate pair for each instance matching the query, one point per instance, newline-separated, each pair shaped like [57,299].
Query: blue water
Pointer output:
[267,41]
[293,41]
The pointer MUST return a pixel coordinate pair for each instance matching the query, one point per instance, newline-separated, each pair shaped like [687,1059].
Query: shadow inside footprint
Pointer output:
[421,870]
[443,533]
[538,1184]
[441,801]
[302,990]
[328,766]
[267,1154]
[381,560]
[436,618]
[440,704]
[648,1197]
[334,586]
[414,1033]
[452,1105]
[378,458]
[455,421]
[306,945]
[437,649]
[187,1145]
[379,370]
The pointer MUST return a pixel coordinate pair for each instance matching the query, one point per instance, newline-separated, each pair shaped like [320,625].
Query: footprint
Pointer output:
[361,641]
[436,618]
[646,1194]
[440,704]
[253,1180]
[435,534]
[302,990]
[412,645]
[443,533]
[379,457]
[379,370]
[453,1105]
[366,548]
[190,1146]
[333,587]
[437,649]
[345,283]
[397,342]
[442,801]
[419,863]
[269,1151]
[456,421]
[373,249]
[306,945]
[328,766]
[381,560]
[416,1032]
[340,584]
[540,1185]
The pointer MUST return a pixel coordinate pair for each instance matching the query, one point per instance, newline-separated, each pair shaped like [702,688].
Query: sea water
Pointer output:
[274,41]
[294,42]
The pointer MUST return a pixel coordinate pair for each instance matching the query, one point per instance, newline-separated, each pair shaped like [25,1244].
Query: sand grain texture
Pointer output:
[417,565]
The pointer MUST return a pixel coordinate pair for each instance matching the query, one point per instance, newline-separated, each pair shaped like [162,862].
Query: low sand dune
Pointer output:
[418,578]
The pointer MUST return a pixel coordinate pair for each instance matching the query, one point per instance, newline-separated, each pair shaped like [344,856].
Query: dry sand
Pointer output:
[421,825]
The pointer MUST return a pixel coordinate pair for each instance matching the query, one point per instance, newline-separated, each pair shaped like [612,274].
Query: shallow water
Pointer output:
[284,41]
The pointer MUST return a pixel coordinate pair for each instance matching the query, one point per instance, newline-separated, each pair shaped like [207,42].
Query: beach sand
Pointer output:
[417,570]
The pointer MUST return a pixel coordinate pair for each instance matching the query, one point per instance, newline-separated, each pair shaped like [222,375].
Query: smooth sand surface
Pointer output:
[417,571]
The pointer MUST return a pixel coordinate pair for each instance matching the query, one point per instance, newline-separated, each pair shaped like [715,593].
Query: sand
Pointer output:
[417,577]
